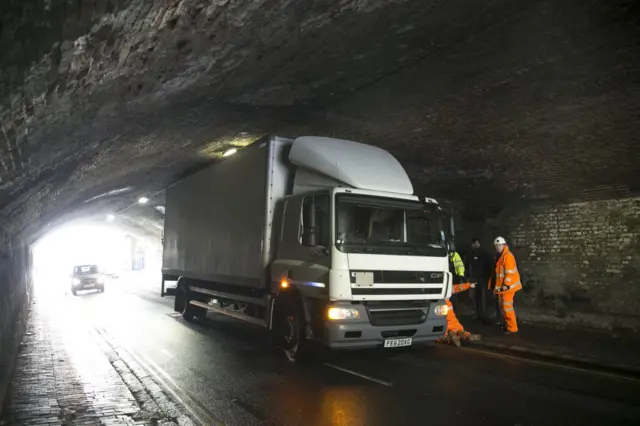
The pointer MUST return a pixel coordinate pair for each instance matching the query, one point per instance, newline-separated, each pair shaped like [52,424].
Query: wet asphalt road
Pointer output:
[228,373]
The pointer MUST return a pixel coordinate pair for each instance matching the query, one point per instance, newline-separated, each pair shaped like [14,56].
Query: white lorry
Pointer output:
[318,239]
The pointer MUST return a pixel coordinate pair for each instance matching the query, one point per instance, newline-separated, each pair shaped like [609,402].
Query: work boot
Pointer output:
[454,339]
[474,337]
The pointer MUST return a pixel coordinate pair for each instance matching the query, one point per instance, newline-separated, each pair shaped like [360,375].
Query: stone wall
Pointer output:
[15,296]
[580,262]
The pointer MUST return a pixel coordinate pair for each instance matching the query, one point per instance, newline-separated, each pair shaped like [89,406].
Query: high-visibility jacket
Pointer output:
[507,274]
[457,262]
[459,288]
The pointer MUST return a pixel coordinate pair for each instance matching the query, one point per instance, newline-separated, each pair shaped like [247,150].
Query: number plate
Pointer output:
[364,279]
[89,285]
[397,343]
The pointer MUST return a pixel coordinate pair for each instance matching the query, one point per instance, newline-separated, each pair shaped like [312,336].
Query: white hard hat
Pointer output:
[499,240]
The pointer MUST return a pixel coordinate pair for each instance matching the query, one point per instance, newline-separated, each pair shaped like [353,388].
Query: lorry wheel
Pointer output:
[182,305]
[290,329]
[73,291]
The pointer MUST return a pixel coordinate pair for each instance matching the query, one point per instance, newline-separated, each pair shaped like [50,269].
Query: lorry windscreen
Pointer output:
[366,224]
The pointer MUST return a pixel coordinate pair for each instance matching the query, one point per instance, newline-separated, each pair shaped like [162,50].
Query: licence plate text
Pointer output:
[397,343]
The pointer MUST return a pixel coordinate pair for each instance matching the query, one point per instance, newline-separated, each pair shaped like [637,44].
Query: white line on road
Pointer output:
[172,388]
[554,365]
[166,353]
[362,376]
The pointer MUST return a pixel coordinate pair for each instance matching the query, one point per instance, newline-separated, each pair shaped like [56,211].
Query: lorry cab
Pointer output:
[379,259]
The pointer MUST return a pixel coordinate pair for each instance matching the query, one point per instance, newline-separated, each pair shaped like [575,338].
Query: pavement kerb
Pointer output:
[529,352]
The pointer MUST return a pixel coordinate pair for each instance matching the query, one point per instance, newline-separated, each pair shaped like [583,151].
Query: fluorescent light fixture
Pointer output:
[110,218]
[230,152]
[143,200]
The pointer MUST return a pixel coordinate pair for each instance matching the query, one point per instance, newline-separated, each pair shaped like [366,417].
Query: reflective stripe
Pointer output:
[506,280]
[500,275]
[508,309]
[508,303]
[514,285]
[511,271]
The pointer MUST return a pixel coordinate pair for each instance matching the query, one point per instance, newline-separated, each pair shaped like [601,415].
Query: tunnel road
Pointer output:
[226,372]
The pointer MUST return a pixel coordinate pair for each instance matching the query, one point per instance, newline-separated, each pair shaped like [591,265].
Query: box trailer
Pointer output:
[319,240]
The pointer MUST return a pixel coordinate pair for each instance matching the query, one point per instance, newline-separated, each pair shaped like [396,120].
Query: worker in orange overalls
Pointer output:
[455,331]
[506,282]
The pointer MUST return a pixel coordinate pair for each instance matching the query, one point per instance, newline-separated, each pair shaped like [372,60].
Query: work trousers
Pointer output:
[480,294]
[452,320]
[505,301]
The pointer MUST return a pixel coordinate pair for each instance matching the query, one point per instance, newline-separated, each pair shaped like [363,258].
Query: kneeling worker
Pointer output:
[455,331]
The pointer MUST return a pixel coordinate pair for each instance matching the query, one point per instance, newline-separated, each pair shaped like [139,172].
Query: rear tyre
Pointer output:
[101,289]
[73,291]
[182,305]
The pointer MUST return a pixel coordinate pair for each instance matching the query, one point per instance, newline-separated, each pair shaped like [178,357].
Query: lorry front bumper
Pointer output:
[360,334]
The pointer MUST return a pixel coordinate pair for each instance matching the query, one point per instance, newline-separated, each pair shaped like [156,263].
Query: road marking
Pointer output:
[155,371]
[355,373]
[166,353]
[551,364]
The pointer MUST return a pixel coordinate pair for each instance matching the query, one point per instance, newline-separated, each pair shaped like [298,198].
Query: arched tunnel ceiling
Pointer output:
[479,100]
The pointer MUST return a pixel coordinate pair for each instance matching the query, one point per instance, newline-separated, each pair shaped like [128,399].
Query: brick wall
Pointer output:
[15,290]
[580,262]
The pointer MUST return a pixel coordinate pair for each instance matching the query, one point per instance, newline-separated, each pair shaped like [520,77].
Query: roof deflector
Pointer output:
[355,164]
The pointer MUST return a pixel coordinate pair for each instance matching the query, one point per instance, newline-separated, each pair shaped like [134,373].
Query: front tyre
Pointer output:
[290,327]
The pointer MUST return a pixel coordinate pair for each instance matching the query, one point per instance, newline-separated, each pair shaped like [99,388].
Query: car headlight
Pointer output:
[343,313]
[441,310]
[76,281]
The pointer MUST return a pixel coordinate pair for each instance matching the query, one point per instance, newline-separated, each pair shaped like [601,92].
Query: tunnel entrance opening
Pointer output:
[87,256]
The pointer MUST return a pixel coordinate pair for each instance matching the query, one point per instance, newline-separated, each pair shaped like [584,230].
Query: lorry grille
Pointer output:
[403,277]
[397,313]
[407,317]
[372,291]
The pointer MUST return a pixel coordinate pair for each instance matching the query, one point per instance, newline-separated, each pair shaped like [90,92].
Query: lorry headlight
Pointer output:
[76,281]
[343,313]
[441,310]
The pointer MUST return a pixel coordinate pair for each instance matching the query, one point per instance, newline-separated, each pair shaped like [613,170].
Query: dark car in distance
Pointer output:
[87,277]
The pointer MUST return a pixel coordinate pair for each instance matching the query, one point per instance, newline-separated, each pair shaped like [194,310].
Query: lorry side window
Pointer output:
[322,227]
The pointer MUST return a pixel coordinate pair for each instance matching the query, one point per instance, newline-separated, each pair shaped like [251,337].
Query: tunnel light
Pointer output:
[110,218]
[143,200]
[230,152]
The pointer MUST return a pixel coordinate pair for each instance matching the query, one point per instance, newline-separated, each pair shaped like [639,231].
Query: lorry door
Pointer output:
[303,256]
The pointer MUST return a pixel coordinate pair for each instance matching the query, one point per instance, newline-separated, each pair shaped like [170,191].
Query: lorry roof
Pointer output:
[355,164]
